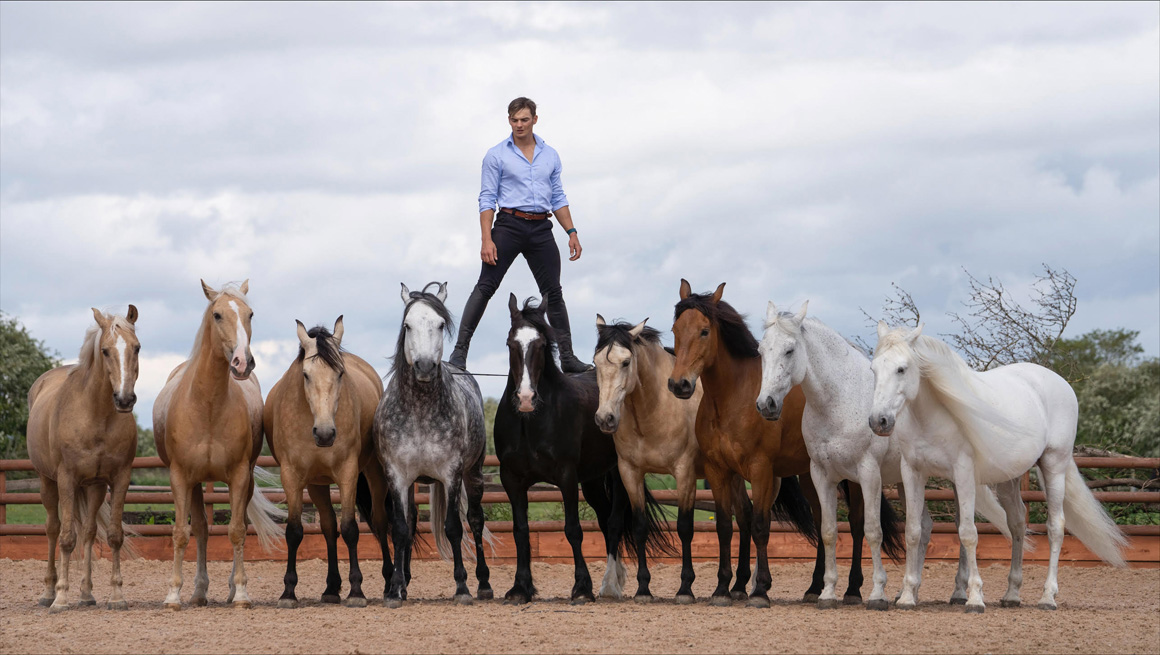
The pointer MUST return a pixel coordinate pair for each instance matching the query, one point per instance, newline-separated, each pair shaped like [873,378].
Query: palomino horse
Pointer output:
[207,422]
[545,430]
[429,426]
[984,428]
[658,436]
[318,421]
[82,439]
[713,344]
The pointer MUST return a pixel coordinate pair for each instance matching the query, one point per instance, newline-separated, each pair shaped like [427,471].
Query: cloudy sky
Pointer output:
[794,151]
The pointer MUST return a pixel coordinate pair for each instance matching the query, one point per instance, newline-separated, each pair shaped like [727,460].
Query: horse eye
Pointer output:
[624,364]
[340,374]
[705,332]
[441,325]
[136,349]
[105,352]
[251,316]
[789,352]
[306,375]
[217,316]
[901,370]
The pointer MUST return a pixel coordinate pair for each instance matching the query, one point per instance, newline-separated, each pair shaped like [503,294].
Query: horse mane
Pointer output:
[534,313]
[953,385]
[91,346]
[735,334]
[329,353]
[619,334]
[440,309]
[231,289]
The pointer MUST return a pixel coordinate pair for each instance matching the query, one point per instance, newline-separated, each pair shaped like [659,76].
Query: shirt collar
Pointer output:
[511,140]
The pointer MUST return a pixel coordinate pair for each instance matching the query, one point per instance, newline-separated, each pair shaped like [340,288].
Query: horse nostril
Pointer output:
[882,421]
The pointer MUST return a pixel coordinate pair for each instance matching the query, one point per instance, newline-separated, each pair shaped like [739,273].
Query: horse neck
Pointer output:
[829,365]
[210,369]
[654,366]
[731,378]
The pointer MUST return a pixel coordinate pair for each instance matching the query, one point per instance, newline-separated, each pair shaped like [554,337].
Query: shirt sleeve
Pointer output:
[559,200]
[489,182]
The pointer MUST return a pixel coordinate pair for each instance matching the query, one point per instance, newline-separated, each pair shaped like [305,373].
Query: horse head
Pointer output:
[530,342]
[231,316]
[117,348]
[320,354]
[783,358]
[616,369]
[426,321]
[695,338]
[896,376]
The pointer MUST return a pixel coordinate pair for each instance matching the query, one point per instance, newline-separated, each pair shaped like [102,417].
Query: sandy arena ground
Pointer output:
[1101,610]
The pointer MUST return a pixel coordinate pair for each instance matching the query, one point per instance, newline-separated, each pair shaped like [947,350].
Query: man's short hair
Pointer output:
[521,103]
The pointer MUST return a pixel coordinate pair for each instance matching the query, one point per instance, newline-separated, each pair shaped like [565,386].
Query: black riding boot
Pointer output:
[472,312]
[558,317]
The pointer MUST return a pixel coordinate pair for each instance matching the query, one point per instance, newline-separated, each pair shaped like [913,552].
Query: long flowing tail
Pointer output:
[261,512]
[104,520]
[893,542]
[438,514]
[1087,520]
[468,538]
[791,506]
[987,505]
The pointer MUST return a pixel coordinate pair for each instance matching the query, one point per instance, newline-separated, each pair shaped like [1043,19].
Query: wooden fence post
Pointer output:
[3,489]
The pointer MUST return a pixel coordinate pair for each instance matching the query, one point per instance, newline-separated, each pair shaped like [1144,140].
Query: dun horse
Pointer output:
[82,439]
[207,422]
[714,345]
[654,433]
[318,421]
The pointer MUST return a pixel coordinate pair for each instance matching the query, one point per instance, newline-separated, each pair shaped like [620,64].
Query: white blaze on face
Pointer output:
[243,340]
[122,350]
[525,336]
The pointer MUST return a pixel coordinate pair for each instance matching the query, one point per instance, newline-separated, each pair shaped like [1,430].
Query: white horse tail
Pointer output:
[261,512]
[468,539]
[987,505]
[438,505]
[1087,520]
[104,520]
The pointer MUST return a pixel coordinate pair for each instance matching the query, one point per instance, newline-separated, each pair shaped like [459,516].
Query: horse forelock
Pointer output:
[325,349]
[232,290]
[91,346]
[734,332]
[534,316]
[432,301]
[620,334]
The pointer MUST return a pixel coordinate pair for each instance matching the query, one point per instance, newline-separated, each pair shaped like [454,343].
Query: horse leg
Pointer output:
[396,591]
[869,495]
[858,505]
[959,595]
[722,485]
[181,499]
[94,498]
[1012,501]
[475,519]
[381,515]
[200,523]
[569,489]
[292,485]
[915,482]
[117,536]
[453,529]
[523,590]
[809,490]
[613,524]
[634,487]
[320,496]
[686,500]
[968,534]
[50,497]
[745,537]
[1054,479]
[348,526]
[241,490]
[827,492]
[926,525]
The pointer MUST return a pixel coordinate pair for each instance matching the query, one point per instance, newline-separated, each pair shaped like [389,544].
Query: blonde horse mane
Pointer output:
[91,346]
[954,386]
[232,289]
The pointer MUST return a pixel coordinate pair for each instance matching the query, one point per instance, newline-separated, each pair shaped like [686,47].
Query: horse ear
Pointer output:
[883,329]
[442,293]
[303,337]
[915,333]
[337,332]
[801,315]
[245,288]
[600,321]
[405,294]
[513,305]
[686,289]
[718,293]
[132,315]
[210,294]
[637,329]
[770,313]
[100,318]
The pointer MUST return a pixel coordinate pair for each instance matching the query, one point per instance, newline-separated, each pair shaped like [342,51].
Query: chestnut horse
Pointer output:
[82,439]
[713,344]
[207,422]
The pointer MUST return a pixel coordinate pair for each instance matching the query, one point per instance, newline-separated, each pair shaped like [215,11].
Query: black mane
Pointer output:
[619,334]
[327,351]
[440,309]
[735,334]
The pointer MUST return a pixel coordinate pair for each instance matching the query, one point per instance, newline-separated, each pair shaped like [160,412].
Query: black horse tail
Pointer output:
[893,543]
[791,506]
[659,540]
[364,501]
[599,495]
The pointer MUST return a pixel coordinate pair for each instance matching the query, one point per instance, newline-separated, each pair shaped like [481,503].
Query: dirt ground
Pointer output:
[1101,610]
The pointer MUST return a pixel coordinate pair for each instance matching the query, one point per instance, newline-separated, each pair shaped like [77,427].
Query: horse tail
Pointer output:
[261,512]
[365,504]
[104,520]
[893,541]
[658,540]
[438,514]
[792,507]
[1087,520]
[987,505]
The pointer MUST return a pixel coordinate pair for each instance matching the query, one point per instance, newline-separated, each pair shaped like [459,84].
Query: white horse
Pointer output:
[839,385]
[983,428]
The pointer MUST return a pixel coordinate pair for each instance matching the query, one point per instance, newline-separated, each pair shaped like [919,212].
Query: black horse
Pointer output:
[545,431]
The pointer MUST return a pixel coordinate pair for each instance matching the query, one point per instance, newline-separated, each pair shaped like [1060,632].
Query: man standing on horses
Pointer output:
[521,175]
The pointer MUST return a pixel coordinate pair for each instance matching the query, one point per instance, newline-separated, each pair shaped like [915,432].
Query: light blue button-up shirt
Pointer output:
[510,180]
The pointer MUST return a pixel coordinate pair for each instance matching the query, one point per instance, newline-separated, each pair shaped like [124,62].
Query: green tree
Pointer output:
[489,406]
[22,360]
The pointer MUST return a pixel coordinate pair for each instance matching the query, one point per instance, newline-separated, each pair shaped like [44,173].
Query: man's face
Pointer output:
[522,122]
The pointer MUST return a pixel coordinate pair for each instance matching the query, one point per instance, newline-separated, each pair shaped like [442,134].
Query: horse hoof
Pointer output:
[392,603]
[200,601]
[515,599]
[737,594]
[686,599]
[332,599]
[287,603]
[828,603]
[582,600]
[485,594]
[758,602]
[243,605]
[87,602]
[118,605]
[643,599]
[45,602]
[955,600]
[56,609]
[810,598]
[906,606]
[851,600]
[173,606]
[1047,606]
[975,609]
[355,601]
[720,601]
[879,604]
[1010,603]
[464,599]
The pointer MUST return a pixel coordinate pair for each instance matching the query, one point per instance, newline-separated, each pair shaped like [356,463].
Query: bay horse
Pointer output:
[82,439]
[429,426]
[653,431]
[318,420]
[545,431]
[714,345]
[986,428]
[207,422]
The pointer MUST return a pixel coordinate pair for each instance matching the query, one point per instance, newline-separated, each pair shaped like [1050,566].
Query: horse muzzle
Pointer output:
[607,422]
[124,404]
[682,388]
[426,370]
[768,408]
[882,425]
[324,437]
[242,374]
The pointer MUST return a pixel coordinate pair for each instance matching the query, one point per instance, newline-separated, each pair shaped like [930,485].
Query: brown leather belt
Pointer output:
[525,215]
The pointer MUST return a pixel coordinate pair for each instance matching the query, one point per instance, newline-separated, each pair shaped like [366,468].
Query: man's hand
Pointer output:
[574,248]
[489,254]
